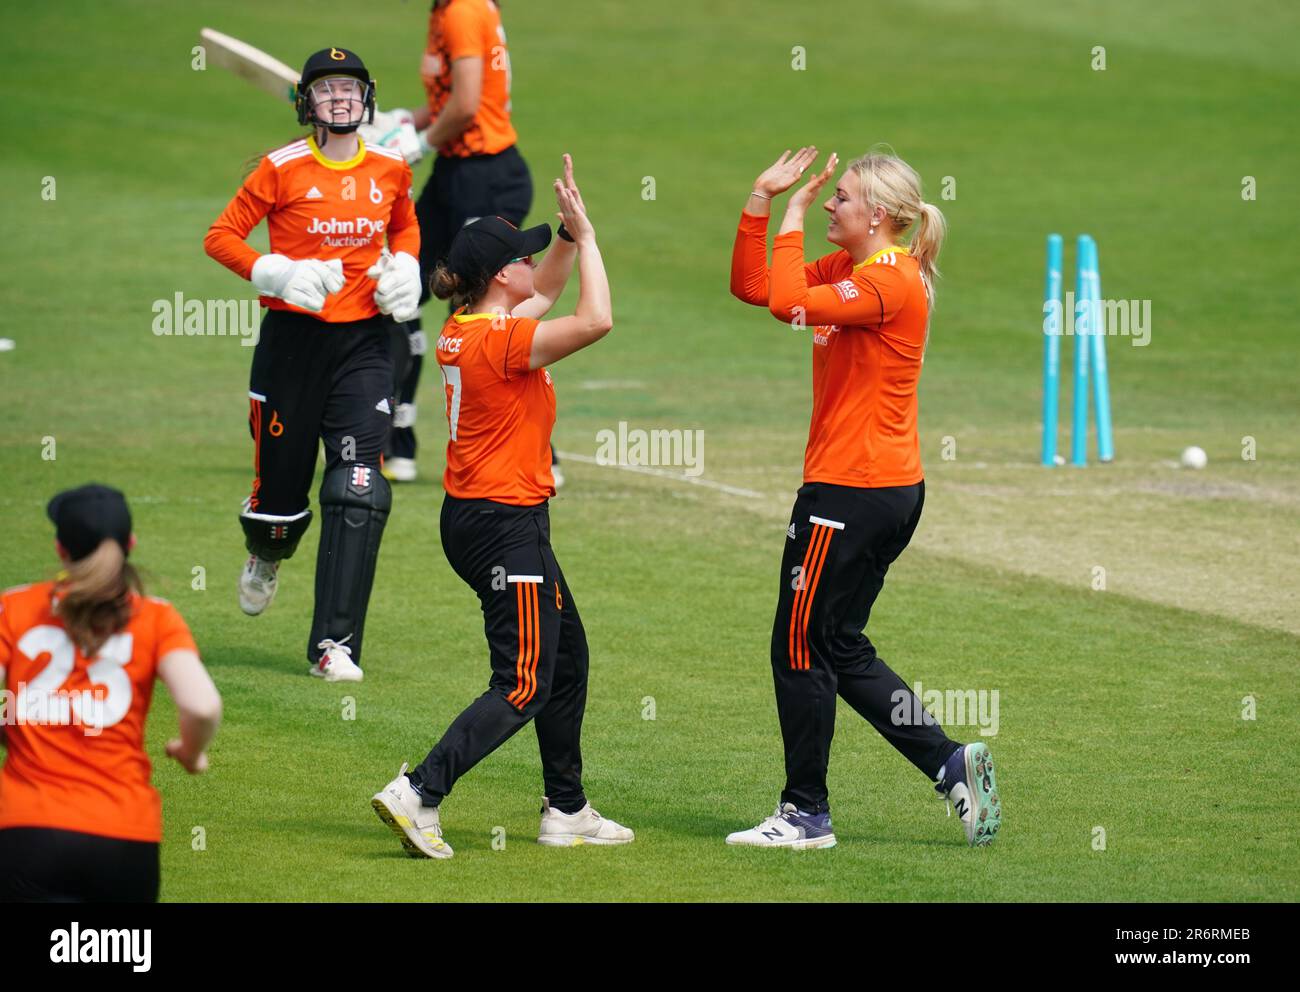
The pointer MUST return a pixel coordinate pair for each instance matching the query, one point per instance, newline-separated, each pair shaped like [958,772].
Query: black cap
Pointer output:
[490,243]
[333,62]
[84,516]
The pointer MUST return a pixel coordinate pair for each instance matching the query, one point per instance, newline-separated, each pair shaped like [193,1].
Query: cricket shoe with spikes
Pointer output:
[336,664]
[417,826]
[966,781]
[788,827]
[257,584]
[583,827]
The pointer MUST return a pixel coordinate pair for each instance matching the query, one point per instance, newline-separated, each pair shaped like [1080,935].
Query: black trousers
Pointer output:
[313,381]
[841,542]
[39,864]
[536,643]
[459,190]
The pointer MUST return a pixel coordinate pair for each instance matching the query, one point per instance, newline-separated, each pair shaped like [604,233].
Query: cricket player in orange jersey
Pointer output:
[477,172]
[79,821]
[496,532]
[322,368]
[867,308]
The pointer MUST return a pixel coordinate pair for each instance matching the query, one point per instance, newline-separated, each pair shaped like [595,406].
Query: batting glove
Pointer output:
[303,283]
[393,129]
[397,290]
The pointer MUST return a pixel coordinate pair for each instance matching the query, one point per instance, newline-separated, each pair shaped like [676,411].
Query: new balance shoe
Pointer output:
[966,781]
[583,827]
[336,664]
[418,827]
[257,584]
[788,827]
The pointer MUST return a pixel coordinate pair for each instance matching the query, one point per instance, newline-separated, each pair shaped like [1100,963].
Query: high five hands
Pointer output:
[788,170]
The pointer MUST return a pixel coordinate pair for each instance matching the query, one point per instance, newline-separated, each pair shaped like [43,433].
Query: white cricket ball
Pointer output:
[1194,457]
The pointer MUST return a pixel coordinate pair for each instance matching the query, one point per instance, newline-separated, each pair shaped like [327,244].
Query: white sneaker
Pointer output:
[418,827]
[788,827]
[399,469]
[336,663]
[583,827]
[257,584]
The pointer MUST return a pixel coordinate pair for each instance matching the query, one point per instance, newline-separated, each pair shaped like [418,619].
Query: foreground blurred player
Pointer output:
[79,821]
[868,307]
[496,530]
[322,369]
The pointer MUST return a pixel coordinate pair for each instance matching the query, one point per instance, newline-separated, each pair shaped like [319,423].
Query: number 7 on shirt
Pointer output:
[451,383]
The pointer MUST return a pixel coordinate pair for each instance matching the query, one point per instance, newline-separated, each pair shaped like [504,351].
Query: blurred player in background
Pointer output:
[79,821]
[478,171]
[868,307]
[496,528]
[322,367]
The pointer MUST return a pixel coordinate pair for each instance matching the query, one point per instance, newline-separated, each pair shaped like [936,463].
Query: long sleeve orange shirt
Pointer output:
[869,324]
[318,208]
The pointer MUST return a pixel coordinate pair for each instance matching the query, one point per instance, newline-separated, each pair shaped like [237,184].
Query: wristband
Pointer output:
[564,233]
[762,196]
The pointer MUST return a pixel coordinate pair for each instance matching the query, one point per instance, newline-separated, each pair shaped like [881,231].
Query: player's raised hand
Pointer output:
[573,213]
[569,182]
[808,192]
[785,171]
[195,764]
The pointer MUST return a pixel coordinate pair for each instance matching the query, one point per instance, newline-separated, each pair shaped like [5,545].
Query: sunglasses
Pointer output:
[526,259]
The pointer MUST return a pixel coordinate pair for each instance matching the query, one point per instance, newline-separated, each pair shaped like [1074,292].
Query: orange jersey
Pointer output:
[869,323]
[318,208]
[74,726]
[499,413]
[470,29]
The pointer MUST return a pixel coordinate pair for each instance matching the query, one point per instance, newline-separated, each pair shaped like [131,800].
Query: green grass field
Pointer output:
[1120,709]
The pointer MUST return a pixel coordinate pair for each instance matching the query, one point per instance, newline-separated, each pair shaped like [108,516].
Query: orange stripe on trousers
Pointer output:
[529,645]
[519,662]
[255,416]
[812,591]
[535,621]
[796,648]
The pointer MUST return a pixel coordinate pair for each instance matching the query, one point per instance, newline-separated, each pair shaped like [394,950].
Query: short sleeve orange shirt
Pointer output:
[499,413]
[74,726]
[470,29]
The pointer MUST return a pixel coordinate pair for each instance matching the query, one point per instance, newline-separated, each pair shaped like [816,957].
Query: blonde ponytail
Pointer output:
[927,240]
[93,596]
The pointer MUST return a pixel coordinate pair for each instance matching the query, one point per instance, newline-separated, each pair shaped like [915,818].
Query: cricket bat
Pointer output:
[265,72]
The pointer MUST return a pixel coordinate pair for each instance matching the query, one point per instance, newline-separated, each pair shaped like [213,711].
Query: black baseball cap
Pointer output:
[490,243]
[84,516]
